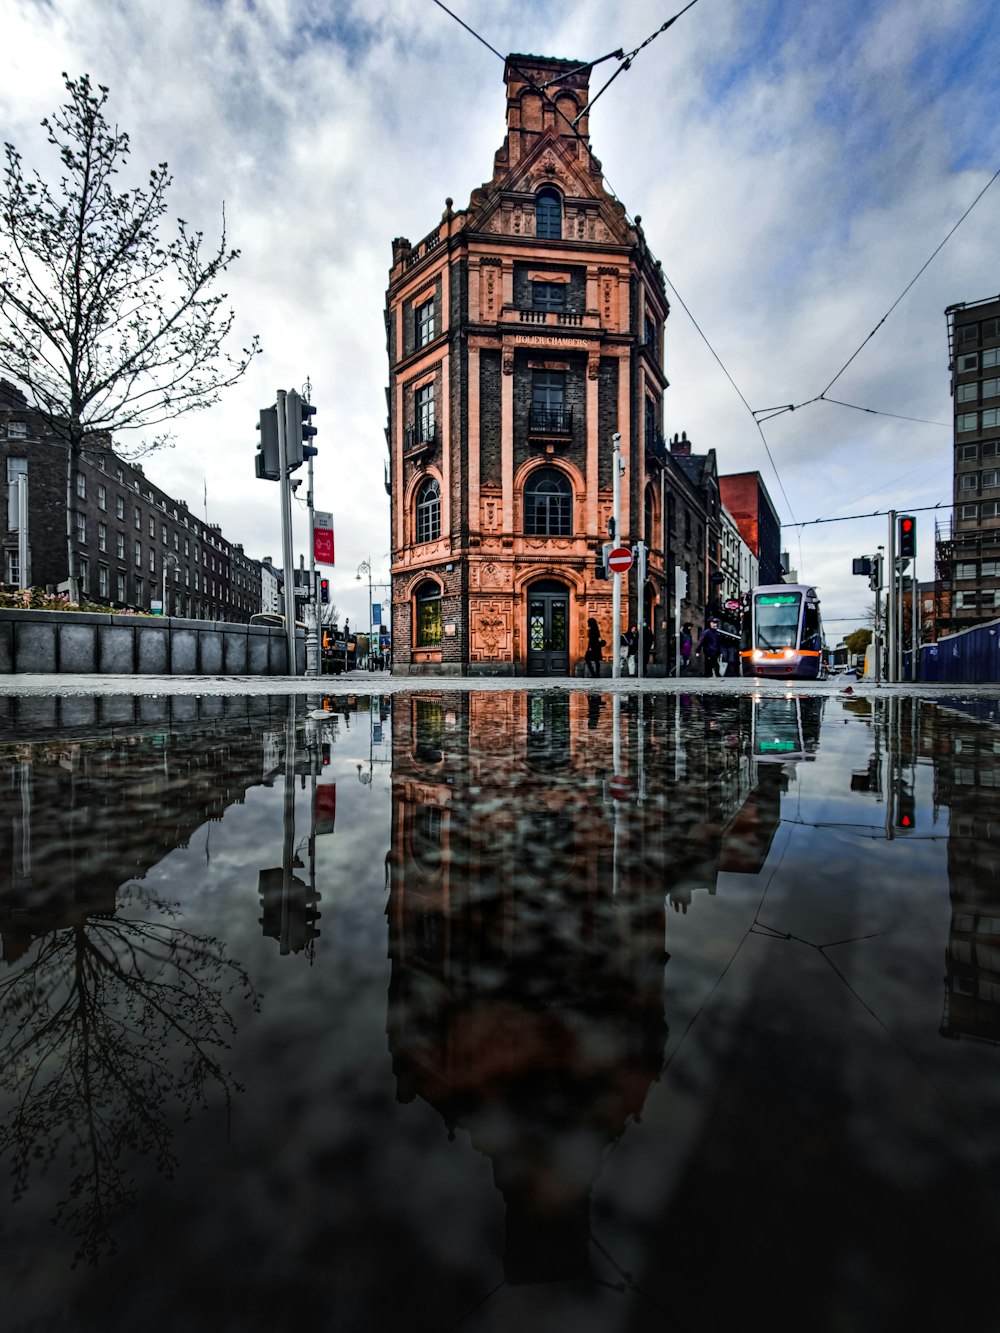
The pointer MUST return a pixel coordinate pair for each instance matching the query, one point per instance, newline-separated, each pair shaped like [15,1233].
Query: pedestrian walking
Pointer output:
[594,645]
[632,649]
[647,646]
[709,648]
[686,647]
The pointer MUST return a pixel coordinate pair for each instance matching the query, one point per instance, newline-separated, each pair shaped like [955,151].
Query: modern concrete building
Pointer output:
[135,545]
[524,331]
[967,554]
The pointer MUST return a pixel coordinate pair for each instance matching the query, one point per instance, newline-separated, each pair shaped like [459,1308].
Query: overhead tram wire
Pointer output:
[571,124]
[821,396]
[875,513]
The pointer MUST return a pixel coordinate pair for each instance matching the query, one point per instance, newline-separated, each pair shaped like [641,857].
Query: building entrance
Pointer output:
[548,629]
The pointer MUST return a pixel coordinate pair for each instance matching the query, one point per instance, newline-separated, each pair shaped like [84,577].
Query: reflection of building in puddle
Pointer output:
[114,1011]
[534,858]
[525,1001]
[82,817]
[967,781]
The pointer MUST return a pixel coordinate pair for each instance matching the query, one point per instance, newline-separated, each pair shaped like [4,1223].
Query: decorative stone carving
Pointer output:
[490,513]
[490,293]
[491,631]
[593,364]
[508,360]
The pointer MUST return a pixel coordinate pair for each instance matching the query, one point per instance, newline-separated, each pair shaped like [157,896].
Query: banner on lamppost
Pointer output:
[323,538]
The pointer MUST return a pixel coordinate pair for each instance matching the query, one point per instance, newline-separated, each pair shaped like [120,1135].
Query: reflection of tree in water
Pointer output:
[110,1023]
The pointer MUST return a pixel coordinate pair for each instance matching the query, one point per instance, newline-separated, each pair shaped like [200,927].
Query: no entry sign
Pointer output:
[619,560]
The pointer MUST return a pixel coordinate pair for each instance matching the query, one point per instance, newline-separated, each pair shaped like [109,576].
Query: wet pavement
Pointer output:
[432,1006]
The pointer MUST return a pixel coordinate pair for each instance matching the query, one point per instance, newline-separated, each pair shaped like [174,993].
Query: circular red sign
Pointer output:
[619,560]
[620,787]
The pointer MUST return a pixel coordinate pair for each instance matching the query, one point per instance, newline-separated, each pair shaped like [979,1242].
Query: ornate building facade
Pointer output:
[523,332]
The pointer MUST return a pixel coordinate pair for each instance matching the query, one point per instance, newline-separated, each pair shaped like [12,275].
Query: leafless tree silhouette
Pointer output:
[113,1025]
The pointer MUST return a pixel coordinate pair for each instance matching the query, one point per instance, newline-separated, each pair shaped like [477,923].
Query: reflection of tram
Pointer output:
[784,728]
[783,633]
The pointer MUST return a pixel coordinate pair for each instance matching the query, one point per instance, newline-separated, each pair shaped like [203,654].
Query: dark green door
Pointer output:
[548,630]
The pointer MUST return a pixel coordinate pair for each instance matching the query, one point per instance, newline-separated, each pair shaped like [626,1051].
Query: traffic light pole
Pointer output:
[286,533]
[640,582]
[891,671]
[616,587]
[312,632]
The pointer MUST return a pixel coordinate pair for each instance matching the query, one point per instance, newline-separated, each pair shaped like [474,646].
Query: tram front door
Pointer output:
[548,629]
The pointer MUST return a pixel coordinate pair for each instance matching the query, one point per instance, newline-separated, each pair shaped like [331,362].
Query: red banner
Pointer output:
[323,546]
[326,807]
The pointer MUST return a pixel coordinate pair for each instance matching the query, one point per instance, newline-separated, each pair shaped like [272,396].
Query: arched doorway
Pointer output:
[548,629]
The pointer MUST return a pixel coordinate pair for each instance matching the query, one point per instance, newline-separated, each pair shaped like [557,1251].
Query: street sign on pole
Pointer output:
[620,787]
[323,538]
[620,560]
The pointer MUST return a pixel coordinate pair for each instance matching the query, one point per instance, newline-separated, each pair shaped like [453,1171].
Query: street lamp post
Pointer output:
[168,560]
[366,566]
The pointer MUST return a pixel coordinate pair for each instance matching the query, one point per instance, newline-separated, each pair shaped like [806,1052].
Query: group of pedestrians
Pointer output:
[634,640]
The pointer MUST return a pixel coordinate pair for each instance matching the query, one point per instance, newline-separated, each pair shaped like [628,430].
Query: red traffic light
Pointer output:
[907,525]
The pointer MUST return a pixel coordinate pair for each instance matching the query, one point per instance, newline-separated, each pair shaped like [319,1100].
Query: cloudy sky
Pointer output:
[794,162]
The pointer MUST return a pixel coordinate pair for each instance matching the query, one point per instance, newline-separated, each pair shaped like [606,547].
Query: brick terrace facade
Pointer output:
[127,531]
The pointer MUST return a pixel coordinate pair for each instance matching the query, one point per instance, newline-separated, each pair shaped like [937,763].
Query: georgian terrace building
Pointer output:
[133,541]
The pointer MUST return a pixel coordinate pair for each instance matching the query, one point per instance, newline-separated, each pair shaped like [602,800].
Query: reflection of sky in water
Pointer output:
[606,995]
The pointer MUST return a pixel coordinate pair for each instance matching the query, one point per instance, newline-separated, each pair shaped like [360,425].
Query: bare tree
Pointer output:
[107,326]
[113,1025]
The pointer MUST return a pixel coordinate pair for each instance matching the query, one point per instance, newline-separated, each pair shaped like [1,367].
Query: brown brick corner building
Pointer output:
[523,331]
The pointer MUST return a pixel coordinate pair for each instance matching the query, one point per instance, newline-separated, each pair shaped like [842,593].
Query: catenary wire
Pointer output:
[585,141]
[821,396]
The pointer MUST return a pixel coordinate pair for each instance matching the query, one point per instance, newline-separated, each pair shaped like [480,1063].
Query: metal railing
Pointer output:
[419,432]
[551,420]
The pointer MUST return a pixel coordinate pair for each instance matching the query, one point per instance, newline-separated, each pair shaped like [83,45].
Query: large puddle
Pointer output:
[484,1009]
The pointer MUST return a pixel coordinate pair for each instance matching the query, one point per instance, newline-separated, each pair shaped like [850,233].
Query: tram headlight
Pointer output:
[788,652]
[757,654]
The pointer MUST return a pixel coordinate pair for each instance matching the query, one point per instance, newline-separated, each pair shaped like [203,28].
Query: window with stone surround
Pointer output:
[428,511]
[424,320]
[427,606]
[548,504]
[548,216]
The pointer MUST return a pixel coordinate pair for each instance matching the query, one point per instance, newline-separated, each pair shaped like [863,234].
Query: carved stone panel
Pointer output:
[488,575]
[492,626]
[491,512]
[490,291]
[608,296]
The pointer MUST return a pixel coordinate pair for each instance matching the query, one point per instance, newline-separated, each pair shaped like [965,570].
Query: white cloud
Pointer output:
[794,165]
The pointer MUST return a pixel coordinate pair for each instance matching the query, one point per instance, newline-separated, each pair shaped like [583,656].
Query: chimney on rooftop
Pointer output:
[681,445]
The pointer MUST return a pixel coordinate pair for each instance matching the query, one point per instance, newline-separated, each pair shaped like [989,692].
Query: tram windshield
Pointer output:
[776,619]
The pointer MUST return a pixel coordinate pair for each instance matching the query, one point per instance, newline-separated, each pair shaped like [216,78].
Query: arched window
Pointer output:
[548,504]
[427,604]
[429,511]
[548,216]
[650,536]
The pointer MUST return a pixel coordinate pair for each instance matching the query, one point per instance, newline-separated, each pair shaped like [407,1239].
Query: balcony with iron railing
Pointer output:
[419,435]
[656,446]
[550,420]
[552,319]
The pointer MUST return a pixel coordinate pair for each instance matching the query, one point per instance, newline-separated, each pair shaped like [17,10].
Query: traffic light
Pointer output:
[298,429]
[267,463]
[324,591]
[875,582]
[862,564]
[907,536]
[601,572]
[906,807]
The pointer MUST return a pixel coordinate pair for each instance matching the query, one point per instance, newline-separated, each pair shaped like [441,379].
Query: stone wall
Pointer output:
[81,643]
